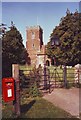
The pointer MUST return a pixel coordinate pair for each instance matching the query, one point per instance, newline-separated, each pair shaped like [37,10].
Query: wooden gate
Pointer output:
[45,79]
[34,80]
[57,77]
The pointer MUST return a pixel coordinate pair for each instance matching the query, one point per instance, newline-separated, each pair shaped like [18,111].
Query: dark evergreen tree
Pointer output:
[13,50]
[69,33]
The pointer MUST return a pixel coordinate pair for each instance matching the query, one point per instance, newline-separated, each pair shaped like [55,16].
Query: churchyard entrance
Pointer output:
[40,81]
[47,78]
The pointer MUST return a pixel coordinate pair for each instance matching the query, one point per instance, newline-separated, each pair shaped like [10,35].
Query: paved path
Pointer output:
[67,99]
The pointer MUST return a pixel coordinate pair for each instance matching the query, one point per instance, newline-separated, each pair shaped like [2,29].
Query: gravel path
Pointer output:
[67,99]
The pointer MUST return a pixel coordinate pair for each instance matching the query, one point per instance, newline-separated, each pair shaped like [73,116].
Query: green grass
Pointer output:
[7,110]
[37,108]
[44,109]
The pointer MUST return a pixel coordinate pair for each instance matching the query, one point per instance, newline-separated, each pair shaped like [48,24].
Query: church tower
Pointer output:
[34,42]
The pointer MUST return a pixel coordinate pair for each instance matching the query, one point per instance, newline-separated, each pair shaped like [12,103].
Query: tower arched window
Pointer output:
[33,35]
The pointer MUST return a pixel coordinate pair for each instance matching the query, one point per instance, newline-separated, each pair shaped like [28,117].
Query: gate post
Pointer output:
[65,76]
[78,73]
[45,78]
[15,75]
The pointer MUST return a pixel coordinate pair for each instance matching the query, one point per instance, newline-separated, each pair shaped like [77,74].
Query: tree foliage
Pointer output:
[13,50]
[69,33]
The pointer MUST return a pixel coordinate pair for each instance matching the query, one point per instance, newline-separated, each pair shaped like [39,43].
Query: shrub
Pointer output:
[34,91]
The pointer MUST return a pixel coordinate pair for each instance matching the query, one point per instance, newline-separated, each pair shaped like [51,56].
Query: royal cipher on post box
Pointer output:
[8,89]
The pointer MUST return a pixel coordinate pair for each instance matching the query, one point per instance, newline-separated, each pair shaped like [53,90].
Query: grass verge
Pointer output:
[36,108]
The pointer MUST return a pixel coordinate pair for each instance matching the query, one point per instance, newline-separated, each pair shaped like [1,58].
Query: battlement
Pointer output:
[34,27]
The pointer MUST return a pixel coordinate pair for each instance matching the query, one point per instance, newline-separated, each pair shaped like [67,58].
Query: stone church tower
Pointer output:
[34,44]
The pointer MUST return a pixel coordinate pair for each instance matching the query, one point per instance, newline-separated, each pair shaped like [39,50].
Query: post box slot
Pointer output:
[9,83]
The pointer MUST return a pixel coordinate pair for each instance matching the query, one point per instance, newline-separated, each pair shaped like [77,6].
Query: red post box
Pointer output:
[8,89]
